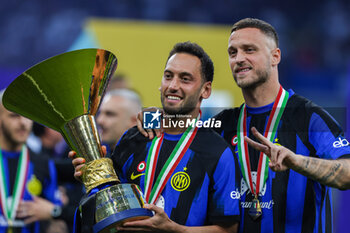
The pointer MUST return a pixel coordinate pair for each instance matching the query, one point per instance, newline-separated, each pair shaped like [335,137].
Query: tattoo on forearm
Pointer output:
[331,173]
[327,172]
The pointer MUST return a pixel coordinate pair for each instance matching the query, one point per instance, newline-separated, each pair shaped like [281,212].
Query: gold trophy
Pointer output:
[64,93]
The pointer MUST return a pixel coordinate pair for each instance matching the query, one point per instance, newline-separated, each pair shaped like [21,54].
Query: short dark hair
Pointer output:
[38,129]
[207,66]
[263,26]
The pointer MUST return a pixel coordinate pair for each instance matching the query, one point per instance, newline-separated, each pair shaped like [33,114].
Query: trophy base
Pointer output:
[113,206]
[108,225]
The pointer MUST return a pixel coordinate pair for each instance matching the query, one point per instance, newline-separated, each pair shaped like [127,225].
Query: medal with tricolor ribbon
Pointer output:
[152,194]
[9,209]
[263,166]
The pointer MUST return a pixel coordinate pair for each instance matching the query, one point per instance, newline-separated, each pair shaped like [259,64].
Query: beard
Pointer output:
[262,77]
[179,110]
[185,108]
[8,135]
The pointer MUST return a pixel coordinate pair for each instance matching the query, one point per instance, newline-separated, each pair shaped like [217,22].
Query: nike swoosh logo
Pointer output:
[133,177]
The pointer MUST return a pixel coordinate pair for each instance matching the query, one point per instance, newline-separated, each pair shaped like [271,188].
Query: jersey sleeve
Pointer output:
[224,202]
[326,136]
[121,156]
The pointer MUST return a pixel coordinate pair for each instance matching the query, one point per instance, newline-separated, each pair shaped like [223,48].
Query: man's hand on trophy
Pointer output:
[160,222]
[79,163]
[149,133]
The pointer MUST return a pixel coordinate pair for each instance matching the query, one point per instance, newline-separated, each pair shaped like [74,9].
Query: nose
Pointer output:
[99,119]
[174,84]
[240,57]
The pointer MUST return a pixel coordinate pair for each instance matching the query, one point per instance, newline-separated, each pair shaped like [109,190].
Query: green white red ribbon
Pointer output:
[152,194]
[270,133]
[9,209]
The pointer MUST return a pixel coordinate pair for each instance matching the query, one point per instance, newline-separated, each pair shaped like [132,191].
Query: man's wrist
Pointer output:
[56,211]
[175,228]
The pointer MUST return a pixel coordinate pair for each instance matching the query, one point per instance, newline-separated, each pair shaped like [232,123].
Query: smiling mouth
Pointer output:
[172,97]
[243,70]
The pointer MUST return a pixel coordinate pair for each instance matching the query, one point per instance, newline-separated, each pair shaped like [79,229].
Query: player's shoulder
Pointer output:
[133,135]
[298,101]
[228,114]
[302,113]
[298,105]
[228,118]
[131,140]
[209,142]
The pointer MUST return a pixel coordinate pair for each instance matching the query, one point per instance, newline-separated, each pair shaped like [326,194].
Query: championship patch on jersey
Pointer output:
[141,167]
[180,181]
[234,140]
[34,186]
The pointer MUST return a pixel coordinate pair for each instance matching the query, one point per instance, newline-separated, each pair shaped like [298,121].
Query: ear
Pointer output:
[276,56]
[133,120]
[206,90]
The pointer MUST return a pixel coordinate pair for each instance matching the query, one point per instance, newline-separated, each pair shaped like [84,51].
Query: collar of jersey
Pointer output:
[11,154]
[172,137]
[265,108]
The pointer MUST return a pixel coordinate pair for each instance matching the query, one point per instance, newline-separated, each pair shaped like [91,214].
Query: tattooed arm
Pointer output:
[334,173]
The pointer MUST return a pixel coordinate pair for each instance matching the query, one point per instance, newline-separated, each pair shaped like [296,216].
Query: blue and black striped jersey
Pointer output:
[206,194]
[290,201]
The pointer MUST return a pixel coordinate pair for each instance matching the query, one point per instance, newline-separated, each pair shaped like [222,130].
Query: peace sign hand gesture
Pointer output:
[280,157]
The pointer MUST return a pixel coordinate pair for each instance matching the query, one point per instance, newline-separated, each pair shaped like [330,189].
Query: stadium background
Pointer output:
[314,39]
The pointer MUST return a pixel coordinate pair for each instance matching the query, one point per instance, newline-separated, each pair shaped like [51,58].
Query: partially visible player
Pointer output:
[28,187]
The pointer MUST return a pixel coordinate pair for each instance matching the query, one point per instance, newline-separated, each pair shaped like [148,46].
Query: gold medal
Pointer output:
[9,226]
[255,210]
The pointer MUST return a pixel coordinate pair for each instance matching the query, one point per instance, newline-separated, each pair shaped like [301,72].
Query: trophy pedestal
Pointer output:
[109,224]
[115,205]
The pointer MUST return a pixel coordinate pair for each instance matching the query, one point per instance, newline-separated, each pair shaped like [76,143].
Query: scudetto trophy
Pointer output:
[64,93]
